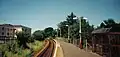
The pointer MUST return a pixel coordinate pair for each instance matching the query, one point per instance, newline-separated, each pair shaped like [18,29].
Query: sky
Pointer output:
[39,14]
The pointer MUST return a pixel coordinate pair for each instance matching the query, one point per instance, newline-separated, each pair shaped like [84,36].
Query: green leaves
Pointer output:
[39,35]
[22,38]
[74,27]
[42,34]
[107,23]
[49,32]
[70,19]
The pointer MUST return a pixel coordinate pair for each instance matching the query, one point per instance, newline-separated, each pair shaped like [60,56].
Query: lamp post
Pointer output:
[79,19]
[86,38]
[68,33]
[81,32]
[57,32]
[60,32]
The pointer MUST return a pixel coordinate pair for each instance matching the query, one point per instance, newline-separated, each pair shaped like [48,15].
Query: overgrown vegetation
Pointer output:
[22,39]
[26,44]
[12,49]
[36,45]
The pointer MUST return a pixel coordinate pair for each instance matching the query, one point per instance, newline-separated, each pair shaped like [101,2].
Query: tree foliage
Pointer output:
[39,35]
[74,27]
[42,34]
[107,23]
[22,38]
[49,32]
[70,19]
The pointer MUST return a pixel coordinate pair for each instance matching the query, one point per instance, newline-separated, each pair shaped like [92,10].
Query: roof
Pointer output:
[12,25]
[20,26]
[17,25]
[114,29]
[6,25]
[102,30]
[113,25]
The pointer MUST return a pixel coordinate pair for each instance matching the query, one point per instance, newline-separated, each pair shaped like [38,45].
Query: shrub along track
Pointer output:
[48,50]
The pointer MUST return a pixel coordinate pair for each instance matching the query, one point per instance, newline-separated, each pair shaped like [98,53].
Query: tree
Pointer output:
[22,38]
[54,33]
[70,19]
[74,31]
[39,35]
[107,23]
[74,27]
[49,32]
[62,26]
[102,25]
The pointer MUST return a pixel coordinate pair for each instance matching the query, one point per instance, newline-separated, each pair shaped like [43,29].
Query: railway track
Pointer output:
[49,50]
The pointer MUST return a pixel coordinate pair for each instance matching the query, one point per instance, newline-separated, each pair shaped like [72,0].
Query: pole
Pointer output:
[80,32]
[57,32]
[109,45]
[93,43]
[86,44]
[86,40]
[60,32]
[68,34]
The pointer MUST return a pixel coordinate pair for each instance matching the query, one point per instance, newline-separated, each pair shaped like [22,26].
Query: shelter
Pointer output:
[106,41]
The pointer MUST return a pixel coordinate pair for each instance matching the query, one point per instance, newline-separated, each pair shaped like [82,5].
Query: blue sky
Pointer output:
[39,14]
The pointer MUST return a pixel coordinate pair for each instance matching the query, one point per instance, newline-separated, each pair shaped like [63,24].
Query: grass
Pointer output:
[20,52]
[37,45]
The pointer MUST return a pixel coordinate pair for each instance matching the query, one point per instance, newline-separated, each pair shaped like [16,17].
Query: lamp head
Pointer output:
[84,18]
[66,25]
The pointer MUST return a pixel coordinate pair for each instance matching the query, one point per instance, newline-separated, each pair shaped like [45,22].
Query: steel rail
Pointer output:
[49,50]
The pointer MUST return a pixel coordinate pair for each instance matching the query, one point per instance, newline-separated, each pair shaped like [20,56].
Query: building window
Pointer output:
[2,33]
[8,29]
[11,29]
[25,30]
[10,33]
[2,28]
[7,33]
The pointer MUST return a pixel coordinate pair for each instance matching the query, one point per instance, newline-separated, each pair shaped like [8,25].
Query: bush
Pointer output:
[21,53]
[12,49]
[9,46]
[36,45]
[22,39]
